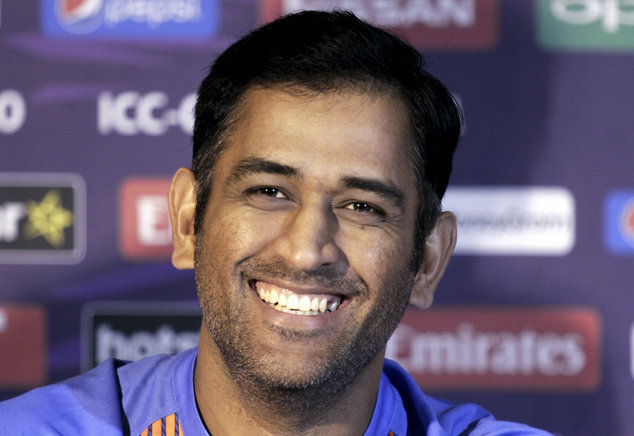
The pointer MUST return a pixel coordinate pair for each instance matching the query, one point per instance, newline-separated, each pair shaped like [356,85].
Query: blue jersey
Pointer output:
[155,397]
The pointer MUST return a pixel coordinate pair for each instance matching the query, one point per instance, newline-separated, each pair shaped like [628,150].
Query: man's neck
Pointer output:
[229,407]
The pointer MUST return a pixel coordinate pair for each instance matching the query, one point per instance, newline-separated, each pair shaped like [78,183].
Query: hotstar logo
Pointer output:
[42,218]
[48,219]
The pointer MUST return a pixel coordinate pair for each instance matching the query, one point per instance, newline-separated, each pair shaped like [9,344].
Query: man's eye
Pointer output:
[267,191]
[366,208]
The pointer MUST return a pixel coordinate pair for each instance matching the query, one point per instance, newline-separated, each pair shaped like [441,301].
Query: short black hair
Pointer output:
[324,52]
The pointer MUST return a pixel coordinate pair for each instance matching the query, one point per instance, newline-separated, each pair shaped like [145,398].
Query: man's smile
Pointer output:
[288,301]
[304,250]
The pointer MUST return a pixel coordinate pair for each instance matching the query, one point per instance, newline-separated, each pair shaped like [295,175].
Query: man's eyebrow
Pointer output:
[385,190]
[254,165]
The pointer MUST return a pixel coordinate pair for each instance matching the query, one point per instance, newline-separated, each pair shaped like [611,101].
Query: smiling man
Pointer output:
[299,258]
[311,217]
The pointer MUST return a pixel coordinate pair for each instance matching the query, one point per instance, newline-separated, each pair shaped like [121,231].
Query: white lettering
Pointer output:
[153,227]
[131,113]
[110,343]
[513,220]
[398,13]
[467,351]
[145,113]
[12,111]
[611,13]
[152,12]
[10,215]
[186,113]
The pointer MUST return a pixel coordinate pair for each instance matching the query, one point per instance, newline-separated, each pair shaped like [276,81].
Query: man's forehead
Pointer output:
[267,102]
[299,93]
[278,111]
[334,136]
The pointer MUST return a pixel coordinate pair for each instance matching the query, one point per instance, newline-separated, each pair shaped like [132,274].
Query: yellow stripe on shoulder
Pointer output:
[166,426]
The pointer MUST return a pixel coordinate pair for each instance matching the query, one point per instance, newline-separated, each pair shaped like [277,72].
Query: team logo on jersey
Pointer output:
[42,218]
[130,18]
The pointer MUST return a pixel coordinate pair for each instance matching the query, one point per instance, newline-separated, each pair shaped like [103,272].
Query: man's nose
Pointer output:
[307,238]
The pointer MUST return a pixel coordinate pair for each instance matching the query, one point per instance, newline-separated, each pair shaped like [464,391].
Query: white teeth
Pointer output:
[286,301]
[292,302]
[323,305]
[304,303]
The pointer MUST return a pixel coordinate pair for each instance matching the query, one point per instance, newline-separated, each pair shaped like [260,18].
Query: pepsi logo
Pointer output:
[75,10]
[79,16]
[130,18]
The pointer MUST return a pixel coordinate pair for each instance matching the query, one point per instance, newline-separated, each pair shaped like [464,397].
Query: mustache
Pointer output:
[324,277]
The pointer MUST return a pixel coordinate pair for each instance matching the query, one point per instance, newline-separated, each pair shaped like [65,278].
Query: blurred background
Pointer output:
[535,317]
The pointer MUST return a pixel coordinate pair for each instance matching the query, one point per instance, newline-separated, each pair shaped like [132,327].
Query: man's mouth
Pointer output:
[287,301]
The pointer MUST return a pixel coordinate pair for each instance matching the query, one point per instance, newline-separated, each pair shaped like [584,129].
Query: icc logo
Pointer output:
[79,16]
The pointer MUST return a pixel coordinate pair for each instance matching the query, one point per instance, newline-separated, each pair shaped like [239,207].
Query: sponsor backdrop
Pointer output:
[535,317]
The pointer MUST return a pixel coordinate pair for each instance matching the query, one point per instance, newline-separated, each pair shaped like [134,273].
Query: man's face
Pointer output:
[302,261]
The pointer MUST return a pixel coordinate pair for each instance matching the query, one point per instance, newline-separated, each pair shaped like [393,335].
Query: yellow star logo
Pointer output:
[48,219]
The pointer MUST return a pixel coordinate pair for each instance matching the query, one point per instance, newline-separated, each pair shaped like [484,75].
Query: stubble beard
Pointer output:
[301,394]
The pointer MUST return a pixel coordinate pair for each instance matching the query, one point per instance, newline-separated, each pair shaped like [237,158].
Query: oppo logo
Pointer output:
[611,14]
[132,113]
[12,111]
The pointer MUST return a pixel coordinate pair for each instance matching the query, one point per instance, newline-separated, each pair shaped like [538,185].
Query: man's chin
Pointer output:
[301,391]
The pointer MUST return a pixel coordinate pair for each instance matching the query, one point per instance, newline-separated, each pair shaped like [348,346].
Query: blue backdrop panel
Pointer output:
[95,115]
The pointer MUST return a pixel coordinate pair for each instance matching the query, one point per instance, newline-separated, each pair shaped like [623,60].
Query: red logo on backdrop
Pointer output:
[71,11]
[144,219]
[431,24]
[548,349]
[22,341]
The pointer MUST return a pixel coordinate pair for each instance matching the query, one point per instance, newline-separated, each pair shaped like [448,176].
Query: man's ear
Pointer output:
[437,251]
[182,204]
